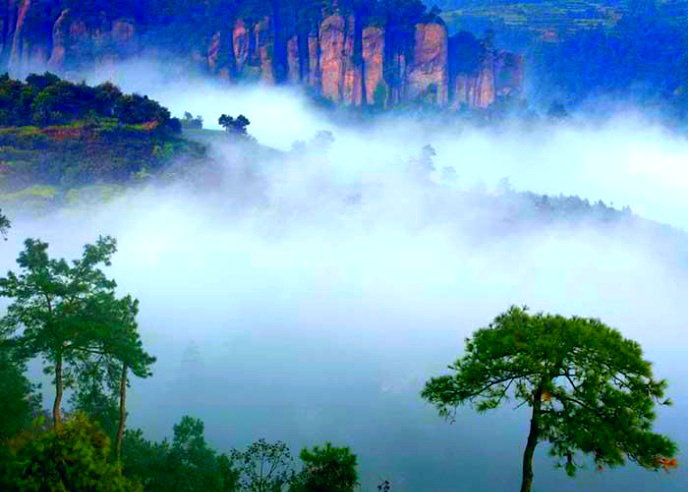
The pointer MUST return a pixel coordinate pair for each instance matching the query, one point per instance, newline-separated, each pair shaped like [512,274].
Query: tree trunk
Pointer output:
[59,389]
[533,435]
[122,412]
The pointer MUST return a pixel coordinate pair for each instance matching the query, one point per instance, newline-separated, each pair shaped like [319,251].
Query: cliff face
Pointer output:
[342,57]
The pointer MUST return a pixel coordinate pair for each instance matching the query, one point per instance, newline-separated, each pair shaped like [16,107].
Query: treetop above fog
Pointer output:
[590,390]
[46,100]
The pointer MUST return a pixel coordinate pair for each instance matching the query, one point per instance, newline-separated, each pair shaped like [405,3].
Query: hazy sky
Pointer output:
[308,298]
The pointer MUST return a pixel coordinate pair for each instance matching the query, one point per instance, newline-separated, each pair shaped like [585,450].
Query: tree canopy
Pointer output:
[327,469]
[235,126]
[590,390]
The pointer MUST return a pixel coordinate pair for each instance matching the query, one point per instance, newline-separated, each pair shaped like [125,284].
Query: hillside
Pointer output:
[56,136]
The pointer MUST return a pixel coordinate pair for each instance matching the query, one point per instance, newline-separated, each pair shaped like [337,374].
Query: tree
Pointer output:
[74,456]
[590,390]
[122,354]
[4,225]
[95,394]
[235,126]
[264,467]
[328,469]
[69,315]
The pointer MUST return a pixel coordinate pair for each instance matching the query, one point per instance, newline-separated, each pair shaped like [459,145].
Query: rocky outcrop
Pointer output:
[343,57]
[373,48]
[29,45]
[428,77]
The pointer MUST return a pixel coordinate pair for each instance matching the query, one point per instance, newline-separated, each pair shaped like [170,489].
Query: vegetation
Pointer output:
[56,135]
[328,469]
[589,390]
[68,315]
[235,126]
[189,122]
[45,100]
[73,456]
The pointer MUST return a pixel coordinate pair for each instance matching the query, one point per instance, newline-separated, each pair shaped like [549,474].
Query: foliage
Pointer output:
[264,467]
[46,100]
[328,469]
[590,390]
[79,154]
[188,464]
[74,456]
[69,314]
[235,126]
[18,401]
[95,394]
[54,132]
[4,225]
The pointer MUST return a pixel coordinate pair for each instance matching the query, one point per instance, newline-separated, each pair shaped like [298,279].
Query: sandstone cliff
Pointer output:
[344,57]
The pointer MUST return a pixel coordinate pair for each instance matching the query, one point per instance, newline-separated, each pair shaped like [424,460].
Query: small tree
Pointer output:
[590,390]
[328,469]
[235,126]
[264,467]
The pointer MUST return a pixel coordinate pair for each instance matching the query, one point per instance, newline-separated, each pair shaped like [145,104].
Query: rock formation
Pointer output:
[341,56]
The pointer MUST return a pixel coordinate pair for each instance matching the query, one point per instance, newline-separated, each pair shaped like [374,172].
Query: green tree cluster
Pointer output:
[46,100]
[188,464]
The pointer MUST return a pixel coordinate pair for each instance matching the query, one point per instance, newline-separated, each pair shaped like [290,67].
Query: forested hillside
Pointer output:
[56,135]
